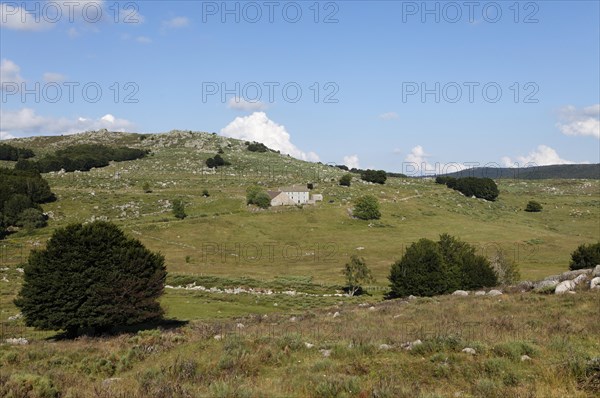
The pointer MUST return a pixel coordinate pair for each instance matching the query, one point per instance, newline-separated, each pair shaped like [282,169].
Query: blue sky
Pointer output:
[506,83]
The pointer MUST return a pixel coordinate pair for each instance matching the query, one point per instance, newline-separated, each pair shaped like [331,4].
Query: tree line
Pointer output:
[82,157]
[12,153]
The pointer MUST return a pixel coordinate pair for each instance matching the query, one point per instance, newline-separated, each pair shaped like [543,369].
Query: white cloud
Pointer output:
[51,77]
[543,155]
[240,104]
[73,33]
[418,156]
[585,122]
[9,73]
[18,18]
[258,127]
[389,116]
[352,161]
[26,122]
[6,136]
[175,23]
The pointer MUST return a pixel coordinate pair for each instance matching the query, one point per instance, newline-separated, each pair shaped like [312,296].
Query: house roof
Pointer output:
[294,188]
[273,194]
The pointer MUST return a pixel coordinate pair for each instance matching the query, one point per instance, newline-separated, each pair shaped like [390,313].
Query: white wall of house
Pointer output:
[298,197]
[282,200]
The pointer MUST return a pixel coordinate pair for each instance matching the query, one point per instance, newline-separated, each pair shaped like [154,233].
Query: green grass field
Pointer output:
[225,244]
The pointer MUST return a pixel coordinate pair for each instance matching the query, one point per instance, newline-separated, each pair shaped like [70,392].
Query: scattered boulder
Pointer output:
[460,293]
[336,314]
[106,383]
[545,285]
[564,287]
[411,297]
[525,358]
[17,341]
[480,293]
[595,283]
[309,345]
[385,347]
[218,337]
[372,308]
[15,317]
[580,278]
[410,345]
[596,271]
[525,286]
[494,293]
[570,275]
[469,350]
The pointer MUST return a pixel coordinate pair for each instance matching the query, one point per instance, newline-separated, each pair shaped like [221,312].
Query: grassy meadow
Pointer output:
[297,253]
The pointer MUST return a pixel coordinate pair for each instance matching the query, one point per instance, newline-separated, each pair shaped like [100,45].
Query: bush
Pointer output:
[262,200]
[420,272]
[356,273]
[533,207]
[14,206]
[256,147]
[483,188]
[205,193]
[146,187]
[251,193]
[179,209]
[346,180]
[91,276]
[31,219]
[376,176]
[9,152]
[367,208]
[81,157]
[585,256]
[429,268]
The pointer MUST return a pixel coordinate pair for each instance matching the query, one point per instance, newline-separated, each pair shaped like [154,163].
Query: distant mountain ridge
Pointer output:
[557,171]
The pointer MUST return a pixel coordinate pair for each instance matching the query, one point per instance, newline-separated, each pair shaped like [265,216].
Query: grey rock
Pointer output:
[480,293]
[469,350]
[494,293]
[525,358]
[580,279]
[545,284]
[385,347]
[565,286]
[460,293]
[596,271]
[595,283]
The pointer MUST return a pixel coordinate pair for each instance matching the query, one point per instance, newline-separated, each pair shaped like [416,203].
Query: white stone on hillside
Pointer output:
[595,283]
[565,286]
[596,271]
[309,345]
[580,279]
[469,350]
[17,341]
[494,293]
[460,293]
[480,293]
[326,353]
[385,347]
[525,358]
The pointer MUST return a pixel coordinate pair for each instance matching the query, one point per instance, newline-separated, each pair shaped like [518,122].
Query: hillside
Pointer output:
[563,171]
[254,297]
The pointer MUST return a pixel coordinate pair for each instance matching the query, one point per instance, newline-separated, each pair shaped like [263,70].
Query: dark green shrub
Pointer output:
[179,209]
[9,152]
[376,176]
[420,272]
[428,268]
[256,147]
[367,208]
[585,256]
[346,180]
[31,218]
[91,276]
[533,207]
[262,200]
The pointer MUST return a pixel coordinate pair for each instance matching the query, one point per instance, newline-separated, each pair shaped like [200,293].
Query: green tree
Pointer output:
[205,193]
[585,256]
[179,209]
[262,200]
[31,219]
[420,272]
[533,206]
[429,268]
[14,206]
[251,193]
[356,273]
[367,208]
[505,268]
[376,176]
[346,180]
[91,276]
